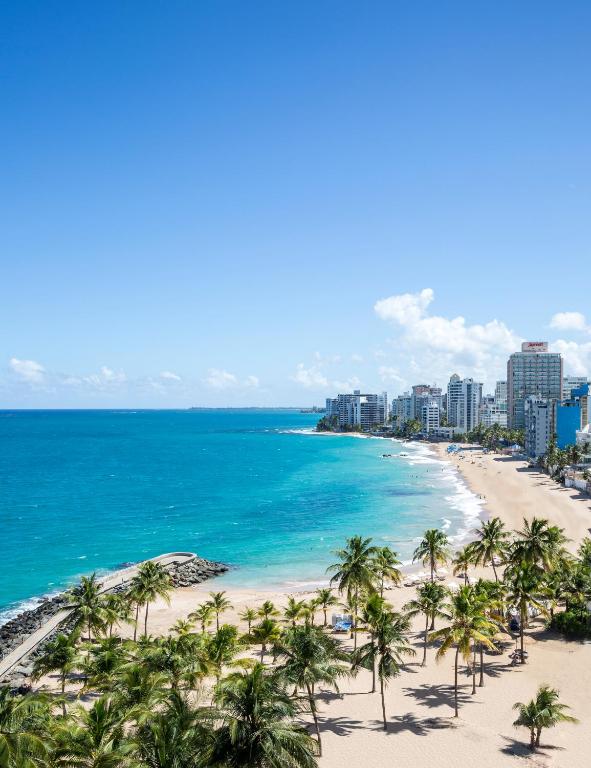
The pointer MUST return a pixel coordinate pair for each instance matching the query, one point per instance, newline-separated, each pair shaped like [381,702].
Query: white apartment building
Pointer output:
[501,392]
[493,413]
[533,372]
[454,391]
[360,410]
[463,403]
[538,423]
[402,409]
[430,417]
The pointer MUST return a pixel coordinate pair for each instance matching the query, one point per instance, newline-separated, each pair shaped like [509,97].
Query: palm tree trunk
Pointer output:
[474,668]
[424,662]
[373,669]
[355,622]
[382,587]
[146,620]
[492,562]
[456,683]
[521,633]
[263,649]
[532,739]
[64,712]
[383,703]
[137,616]
[217,622]
[538,734]
[325,618]
[89,629]
[432,568]
[315,716]
[481,683]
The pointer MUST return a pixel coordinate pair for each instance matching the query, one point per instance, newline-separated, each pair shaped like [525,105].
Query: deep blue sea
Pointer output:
[89,490]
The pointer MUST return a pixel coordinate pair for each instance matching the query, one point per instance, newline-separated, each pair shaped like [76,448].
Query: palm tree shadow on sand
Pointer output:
[438,695]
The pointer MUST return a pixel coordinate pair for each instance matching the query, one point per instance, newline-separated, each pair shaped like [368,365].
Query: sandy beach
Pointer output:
[422,730]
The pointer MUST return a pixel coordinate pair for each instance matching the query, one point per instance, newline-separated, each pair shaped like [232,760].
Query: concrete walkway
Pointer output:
[28,645]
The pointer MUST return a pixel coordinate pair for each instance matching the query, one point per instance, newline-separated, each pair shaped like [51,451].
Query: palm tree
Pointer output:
[266,632]
[294,610]
[545,711]
[86,604]
[325,599]
[182,627]
[432,550]
[203,614]
[257,728]
[354,573]
[185,660]
[366,655]
[178,736]
[20,743]
[538,543]
[222,648]
[59,655]
[103,663]
[385,564]
[267,610]
[220,604]
[468,625]
[492,542]
[116,609]
[491,596]
[138,690]
[153,582]
[95,737]
[430,602]
[310,657]
[249,615]
[461,562]
[525,588]
[391,643]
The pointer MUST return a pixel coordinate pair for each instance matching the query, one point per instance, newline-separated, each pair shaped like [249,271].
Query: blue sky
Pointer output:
[204,202]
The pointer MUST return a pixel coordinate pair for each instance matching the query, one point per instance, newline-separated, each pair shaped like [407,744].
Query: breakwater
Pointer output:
[192,570]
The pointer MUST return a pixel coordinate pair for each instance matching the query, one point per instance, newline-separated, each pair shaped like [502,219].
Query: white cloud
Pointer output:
[220,379]
[569,321]
[355,358]
[106,378]
[577,357]
[28,370]
[346,386]
[388,373]
[405,308]
[439,345]
[170,376]
[310,377]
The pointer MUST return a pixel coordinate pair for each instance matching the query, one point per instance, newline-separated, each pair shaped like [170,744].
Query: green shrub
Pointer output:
[572,623]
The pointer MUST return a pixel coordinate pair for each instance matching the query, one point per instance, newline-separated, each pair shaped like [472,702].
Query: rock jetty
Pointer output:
[15,631]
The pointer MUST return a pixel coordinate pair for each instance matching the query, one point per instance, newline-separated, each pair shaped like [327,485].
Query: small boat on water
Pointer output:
[386,455]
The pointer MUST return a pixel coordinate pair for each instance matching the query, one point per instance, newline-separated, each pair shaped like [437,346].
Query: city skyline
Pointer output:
[253,205]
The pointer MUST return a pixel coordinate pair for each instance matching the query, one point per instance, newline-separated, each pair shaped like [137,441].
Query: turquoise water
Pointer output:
[90,490]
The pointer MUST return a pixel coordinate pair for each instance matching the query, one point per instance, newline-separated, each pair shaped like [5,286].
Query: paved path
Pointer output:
[120,577]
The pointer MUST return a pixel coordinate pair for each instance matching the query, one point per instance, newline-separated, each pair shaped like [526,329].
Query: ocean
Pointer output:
[84,491]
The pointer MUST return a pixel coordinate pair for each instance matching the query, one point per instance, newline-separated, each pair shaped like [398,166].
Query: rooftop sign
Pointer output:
[534,346]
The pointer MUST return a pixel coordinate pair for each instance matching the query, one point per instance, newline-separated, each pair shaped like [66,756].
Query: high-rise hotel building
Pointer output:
[533,372]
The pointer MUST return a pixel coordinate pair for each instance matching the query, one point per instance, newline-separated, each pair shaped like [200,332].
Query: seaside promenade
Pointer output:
[30,643]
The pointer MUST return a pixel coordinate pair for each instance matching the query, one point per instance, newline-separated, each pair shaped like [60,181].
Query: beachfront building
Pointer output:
[572,382]
[538,425]
[463,403]
[430,417]
[362,411]
[401,409]
[332,407]
[492,412]
[501,393]
[422,395]
[571,415]
[533,372]
[454,392]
